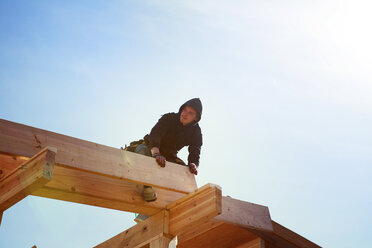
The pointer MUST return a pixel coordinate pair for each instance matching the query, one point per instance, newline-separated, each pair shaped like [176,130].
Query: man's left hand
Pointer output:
[193,169]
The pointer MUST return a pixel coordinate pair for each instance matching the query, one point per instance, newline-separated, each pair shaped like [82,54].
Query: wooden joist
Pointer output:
[181,215]
[27,178]
[73,153]
[96,190]
[194,209]
[245,214]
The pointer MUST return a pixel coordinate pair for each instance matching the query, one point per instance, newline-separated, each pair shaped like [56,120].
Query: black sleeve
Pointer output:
[195,147]
[158,131]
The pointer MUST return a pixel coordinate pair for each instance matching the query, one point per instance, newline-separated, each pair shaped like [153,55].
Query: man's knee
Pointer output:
[143,149]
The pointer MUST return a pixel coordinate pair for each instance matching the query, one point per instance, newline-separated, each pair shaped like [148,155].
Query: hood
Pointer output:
[196,104]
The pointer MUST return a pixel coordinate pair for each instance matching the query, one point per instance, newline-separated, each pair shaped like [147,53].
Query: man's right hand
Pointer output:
[160,159]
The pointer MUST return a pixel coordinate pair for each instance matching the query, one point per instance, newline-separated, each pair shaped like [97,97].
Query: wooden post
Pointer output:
[162,242]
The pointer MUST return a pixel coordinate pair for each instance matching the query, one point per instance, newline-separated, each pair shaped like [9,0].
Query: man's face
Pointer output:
[188,115]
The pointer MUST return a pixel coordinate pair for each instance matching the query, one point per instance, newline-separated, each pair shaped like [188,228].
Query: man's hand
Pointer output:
[193,169]
[160,159]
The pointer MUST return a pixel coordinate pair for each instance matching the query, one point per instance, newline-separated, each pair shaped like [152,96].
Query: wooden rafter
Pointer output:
[27,178]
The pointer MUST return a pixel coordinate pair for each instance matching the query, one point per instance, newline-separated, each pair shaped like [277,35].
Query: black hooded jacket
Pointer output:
[170,136]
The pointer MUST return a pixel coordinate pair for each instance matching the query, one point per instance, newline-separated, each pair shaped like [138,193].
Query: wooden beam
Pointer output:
[194,209]
[96,190]
[199,230]
[245,214]
[141,234]
[256,243]
[282,237]
[185,213]
[28,177]
[292,237]
[18,139]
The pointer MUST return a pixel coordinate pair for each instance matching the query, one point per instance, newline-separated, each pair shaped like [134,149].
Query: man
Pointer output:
[171,133]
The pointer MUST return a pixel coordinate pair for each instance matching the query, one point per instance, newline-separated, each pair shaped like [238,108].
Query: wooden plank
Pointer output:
[222,236]
[245,214]
[93,189]
[18,139]
[198,230]
[141,234]
[194,209]
[162,242]
[292,237]
[256,243]
[282,237]
[28,177]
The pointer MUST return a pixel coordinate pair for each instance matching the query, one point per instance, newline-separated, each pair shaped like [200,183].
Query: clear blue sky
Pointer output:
[286,88]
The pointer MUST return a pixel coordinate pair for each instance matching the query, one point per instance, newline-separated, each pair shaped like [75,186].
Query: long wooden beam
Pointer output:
[184,214]
[73,153]
[96,190]
[27,178]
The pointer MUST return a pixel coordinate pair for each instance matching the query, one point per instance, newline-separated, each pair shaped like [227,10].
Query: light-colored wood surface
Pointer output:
[93,189]
[222,236]
[194,209]
[26,178]
[245,214]
[22,140]
[162,242]
[141,234]
[198,230]
[183,214]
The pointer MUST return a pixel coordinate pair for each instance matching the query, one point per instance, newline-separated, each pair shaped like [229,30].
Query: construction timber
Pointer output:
[43,163]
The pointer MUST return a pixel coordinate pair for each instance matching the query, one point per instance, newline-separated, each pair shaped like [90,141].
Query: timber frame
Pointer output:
[43,163]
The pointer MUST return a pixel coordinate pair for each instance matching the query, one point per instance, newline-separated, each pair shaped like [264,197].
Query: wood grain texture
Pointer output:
[282,237]
[162,242]
[245,214]
[222,236]
[185,213]
[194,209]
[96,190]
[26,178]
[9,163]
[141,234]
[22,140]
